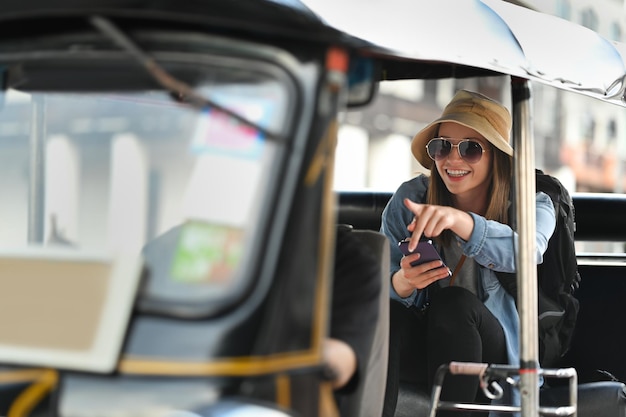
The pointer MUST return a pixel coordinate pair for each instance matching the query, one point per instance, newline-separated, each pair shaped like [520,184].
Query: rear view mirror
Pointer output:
[361,82]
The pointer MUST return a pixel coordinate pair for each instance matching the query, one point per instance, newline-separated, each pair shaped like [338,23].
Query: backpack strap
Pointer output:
[457,268]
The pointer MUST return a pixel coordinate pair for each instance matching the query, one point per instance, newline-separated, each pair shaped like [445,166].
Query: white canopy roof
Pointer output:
[488,34]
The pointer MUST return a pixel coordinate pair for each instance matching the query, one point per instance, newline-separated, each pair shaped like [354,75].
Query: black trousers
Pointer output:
[456,327]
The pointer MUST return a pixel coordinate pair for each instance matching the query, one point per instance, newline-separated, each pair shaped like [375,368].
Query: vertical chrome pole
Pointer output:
[526,229]
[36,192]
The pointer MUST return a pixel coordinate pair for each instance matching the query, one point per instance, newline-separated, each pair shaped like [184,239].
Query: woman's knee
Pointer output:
[451,299]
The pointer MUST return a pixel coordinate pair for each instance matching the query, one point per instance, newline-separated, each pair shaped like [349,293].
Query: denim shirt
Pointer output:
[490,245]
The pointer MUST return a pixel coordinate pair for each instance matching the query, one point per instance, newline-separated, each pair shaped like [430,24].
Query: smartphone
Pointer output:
[425,248]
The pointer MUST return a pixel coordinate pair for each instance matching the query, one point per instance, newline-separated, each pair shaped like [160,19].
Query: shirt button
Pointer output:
[490,266]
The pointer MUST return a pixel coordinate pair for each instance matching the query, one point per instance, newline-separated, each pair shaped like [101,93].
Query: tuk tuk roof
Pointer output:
[490,35]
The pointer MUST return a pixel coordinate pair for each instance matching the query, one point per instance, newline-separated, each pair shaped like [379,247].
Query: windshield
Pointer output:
[130,180]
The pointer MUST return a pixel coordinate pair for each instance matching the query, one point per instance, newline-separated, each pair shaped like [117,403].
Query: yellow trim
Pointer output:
[323,164]
[325,151]
[242,366]
[20,375]
[327,406]
[283,391]
[31,396]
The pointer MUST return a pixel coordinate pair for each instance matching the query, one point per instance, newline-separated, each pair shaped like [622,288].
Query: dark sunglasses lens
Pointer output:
[439,149]
[470,151]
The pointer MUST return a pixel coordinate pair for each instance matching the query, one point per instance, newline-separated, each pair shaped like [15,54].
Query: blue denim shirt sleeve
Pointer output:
[395,219]
[493,244]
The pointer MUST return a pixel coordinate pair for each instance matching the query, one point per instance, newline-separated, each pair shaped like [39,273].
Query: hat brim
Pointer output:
[470,120]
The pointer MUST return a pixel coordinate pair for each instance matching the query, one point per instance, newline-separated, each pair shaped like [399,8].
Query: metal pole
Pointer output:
[36,191]
[526,229]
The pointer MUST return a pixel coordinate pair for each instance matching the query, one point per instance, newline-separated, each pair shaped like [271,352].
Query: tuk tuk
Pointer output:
[134,127]
[167,209]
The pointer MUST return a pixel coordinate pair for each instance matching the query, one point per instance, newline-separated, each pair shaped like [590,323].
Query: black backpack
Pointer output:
[557,277]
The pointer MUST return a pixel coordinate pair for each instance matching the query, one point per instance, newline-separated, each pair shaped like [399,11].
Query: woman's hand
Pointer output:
[410,278]
[431,220]
[341,359]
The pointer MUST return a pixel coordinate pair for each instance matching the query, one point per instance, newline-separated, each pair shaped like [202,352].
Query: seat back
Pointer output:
[369,398]
[362,209]
[602,398]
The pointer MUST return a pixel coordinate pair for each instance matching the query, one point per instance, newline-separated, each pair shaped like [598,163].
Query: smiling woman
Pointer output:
[463,205]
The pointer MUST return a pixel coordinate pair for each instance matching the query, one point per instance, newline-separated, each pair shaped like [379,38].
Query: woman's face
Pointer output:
[463,179]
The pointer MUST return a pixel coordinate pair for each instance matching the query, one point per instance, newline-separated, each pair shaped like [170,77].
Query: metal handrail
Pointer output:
[490,377]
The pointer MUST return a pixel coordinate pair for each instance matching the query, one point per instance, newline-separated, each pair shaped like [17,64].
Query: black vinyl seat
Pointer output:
[368,399]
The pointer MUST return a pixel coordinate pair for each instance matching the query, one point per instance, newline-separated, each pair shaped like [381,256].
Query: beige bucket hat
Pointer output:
[474,110]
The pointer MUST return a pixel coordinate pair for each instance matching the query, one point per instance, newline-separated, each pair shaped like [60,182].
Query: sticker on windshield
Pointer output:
[217,132]
[207,253]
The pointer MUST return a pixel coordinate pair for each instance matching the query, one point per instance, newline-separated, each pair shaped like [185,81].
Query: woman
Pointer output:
[464,207]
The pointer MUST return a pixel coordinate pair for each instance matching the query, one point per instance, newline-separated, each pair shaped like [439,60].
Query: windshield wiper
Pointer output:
[179,90]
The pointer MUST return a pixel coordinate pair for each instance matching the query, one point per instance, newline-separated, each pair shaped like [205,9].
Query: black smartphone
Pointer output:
[425,248]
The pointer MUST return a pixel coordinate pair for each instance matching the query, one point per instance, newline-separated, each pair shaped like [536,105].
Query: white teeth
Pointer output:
[457,173]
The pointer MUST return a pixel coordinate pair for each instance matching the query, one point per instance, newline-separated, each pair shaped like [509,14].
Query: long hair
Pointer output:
[499,190]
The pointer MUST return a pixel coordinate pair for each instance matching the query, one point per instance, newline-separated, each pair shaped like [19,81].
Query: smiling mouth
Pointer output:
[456,173]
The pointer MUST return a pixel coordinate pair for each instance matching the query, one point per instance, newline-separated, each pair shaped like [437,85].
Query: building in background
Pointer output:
[580,122]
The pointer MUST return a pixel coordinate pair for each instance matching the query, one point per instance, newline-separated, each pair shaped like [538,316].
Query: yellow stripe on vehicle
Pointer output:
[283,390]
[241,366]
[31,396]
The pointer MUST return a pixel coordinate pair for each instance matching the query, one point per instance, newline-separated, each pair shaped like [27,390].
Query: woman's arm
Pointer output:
[396,217]
[406,280]
[493,244]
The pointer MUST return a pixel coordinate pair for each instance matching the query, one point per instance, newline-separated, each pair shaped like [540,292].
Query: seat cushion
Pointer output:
[595,399]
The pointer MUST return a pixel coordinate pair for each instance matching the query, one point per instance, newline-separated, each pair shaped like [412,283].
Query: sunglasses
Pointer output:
[469,150]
